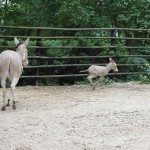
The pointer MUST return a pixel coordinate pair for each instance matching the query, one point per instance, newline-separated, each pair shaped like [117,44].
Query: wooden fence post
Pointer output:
[114,33]
[38,53]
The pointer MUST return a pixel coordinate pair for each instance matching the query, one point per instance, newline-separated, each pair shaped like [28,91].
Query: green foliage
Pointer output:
[107,81]
[136,60]
[66,13]
[75,14]
[82,82]
[85,13]
[54,52]
[144,79]
[2,42]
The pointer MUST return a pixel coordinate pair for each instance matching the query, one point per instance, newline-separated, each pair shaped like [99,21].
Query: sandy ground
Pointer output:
[115,117]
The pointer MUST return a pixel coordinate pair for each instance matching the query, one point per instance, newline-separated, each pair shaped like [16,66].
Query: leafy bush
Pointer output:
[136,60]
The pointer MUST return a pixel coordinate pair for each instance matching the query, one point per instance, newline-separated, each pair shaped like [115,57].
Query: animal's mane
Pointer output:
[18,44]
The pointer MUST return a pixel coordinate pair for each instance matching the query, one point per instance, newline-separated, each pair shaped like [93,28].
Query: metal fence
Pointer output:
[141,36]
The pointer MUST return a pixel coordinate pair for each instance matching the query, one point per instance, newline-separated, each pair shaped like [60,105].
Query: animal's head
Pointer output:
[114,65]
[21,49]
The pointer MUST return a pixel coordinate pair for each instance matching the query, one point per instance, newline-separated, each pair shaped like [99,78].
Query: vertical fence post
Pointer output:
[114,33]
[38,53]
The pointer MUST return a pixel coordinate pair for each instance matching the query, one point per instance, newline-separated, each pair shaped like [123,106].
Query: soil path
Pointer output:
[115,117]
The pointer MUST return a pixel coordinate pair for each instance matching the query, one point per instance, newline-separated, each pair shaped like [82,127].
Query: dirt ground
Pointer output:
[112,117]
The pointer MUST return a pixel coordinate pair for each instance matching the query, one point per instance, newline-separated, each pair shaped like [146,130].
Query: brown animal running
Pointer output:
[11,67]
[100,71]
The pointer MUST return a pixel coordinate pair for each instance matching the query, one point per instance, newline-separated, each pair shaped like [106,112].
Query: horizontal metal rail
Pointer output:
[75,37]
[72,29]
[77,65]
[80,47]
[85,57]
[81,75]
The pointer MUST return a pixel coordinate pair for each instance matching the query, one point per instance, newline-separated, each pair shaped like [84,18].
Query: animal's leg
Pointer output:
[100,80]
[4,93]
[90,77]
[8,103]
[11,79]
[13,84]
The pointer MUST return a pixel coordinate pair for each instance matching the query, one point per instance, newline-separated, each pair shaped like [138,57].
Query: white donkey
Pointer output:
[100,71]
[11,67]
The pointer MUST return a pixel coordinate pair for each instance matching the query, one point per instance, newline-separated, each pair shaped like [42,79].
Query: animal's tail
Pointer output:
[84,70]
[8,68]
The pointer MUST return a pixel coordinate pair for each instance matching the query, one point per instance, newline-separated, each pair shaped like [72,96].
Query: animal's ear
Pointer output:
[16,41]
[26,42]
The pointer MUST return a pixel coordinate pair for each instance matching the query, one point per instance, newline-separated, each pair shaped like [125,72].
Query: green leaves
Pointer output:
[67,13]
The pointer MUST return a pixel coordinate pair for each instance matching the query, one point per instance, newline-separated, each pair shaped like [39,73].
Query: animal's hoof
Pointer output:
[14,107]
[3,108]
